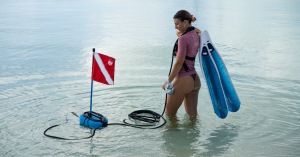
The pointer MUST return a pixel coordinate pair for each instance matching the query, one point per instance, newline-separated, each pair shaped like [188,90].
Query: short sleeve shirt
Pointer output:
[188,45]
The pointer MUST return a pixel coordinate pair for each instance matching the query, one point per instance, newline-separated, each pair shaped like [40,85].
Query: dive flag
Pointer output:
[103,70]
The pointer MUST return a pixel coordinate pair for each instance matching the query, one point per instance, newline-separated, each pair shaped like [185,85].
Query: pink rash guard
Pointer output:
[188,45]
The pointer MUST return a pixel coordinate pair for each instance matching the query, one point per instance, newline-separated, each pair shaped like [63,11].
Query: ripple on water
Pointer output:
[45,67]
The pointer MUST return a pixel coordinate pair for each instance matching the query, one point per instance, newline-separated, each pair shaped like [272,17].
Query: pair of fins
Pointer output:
[221,90]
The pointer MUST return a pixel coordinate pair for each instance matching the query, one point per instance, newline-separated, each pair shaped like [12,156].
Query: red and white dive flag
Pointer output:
[103,69]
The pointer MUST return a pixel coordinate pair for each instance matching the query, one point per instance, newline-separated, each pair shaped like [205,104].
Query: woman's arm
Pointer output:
[175,70]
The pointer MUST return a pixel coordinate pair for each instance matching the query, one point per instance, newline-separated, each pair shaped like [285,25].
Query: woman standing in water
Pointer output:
[187,82]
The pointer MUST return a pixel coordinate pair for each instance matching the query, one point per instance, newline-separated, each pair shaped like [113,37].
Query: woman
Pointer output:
[187,83]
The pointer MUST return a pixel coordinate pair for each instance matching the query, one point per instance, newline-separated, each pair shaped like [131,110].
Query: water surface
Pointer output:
[45,68]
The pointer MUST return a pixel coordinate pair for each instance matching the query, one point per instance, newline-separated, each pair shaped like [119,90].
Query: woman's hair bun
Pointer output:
[184,15]
[193,18]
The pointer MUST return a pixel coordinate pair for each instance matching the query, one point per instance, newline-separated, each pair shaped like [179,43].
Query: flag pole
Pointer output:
[92,84]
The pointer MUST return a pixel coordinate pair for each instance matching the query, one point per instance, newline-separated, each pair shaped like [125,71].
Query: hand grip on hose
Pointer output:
[169,88]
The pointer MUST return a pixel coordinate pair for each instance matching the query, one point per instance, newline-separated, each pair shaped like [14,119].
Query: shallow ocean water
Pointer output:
[45,68]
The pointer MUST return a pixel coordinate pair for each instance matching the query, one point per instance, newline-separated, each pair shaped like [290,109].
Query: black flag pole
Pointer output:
[92,83]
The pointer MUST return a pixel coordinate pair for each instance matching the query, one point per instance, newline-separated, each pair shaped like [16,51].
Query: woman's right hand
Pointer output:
[163,87]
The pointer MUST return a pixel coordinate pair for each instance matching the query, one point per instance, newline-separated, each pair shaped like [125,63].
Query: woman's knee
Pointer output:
[170,113]
[193,113]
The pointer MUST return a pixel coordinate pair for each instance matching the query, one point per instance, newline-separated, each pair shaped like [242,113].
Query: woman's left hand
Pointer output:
[197,30]
[163,87]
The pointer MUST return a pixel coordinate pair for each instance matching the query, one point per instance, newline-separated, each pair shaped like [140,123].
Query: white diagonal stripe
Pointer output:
[103,69]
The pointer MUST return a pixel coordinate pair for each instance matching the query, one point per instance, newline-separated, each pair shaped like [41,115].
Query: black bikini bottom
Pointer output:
[194,76]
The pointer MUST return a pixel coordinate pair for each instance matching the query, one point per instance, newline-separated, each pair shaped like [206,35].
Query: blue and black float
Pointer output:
[93,120]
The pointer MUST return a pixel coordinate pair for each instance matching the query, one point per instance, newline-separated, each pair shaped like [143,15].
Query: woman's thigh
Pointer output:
[182,86]
[191,99]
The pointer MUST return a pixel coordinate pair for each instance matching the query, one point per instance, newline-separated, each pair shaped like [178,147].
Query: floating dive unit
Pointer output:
[93,120]
[90,118]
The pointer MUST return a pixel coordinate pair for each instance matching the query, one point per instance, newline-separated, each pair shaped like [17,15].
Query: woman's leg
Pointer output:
[182,86]
[191,99]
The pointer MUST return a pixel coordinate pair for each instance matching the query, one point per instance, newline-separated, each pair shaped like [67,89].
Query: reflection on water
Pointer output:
[220,140]
[182,137]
